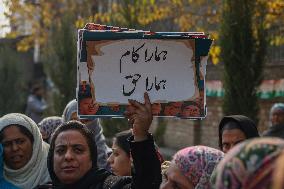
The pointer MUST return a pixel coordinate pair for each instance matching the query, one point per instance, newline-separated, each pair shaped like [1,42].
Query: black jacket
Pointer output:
[275,131]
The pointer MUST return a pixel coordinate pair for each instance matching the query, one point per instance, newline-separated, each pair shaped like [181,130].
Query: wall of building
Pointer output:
[182,133]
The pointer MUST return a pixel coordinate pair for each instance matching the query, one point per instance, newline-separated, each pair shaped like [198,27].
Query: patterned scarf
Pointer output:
[49,124]
[249,165]
[197,164]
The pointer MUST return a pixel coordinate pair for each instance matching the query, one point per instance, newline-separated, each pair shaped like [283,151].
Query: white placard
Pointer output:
[163,68]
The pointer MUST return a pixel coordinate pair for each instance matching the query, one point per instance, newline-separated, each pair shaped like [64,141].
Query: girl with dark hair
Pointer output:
[120,160]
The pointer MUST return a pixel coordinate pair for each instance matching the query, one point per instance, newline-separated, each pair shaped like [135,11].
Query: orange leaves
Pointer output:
[25,44]
[276,7]
[188,15]
[36,19]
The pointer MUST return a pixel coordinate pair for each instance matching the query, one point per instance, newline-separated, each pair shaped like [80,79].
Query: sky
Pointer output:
[3,20]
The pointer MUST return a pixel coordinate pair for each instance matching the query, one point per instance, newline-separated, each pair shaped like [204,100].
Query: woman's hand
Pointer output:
[140,117]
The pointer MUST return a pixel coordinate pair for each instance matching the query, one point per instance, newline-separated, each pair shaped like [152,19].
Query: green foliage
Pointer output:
[12,82]
[138,14]
[60,61]
[243,54]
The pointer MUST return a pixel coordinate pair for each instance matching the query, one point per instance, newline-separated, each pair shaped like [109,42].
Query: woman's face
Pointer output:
[72,157]
[231,137]
[174,179]
[277,117]
[119,161]
[18,148]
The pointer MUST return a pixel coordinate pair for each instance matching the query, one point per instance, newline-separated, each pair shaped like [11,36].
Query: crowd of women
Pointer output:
[67,152]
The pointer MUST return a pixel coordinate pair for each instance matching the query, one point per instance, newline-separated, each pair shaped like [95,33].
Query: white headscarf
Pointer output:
[35,172]
[70,108]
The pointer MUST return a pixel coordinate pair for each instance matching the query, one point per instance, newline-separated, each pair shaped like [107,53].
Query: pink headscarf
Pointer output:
[197,164]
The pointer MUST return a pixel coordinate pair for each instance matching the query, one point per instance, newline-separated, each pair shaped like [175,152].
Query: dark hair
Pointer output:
[232,125]
[245,124]
[22,129]
[122,142]
[77,126]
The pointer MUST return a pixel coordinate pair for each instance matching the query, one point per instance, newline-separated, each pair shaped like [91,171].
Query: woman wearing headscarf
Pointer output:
[48,125]
[191,168]
[249,165]
[25,153]
[234,129]
[276,125]
[277,114]
[72,156]
[3,183]
[70,113]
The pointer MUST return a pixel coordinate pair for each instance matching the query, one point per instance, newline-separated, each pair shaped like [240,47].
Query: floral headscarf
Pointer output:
[249,165]
[49,124]
[197,164]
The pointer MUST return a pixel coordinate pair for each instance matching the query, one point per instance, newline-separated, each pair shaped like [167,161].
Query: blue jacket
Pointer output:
[3,183]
